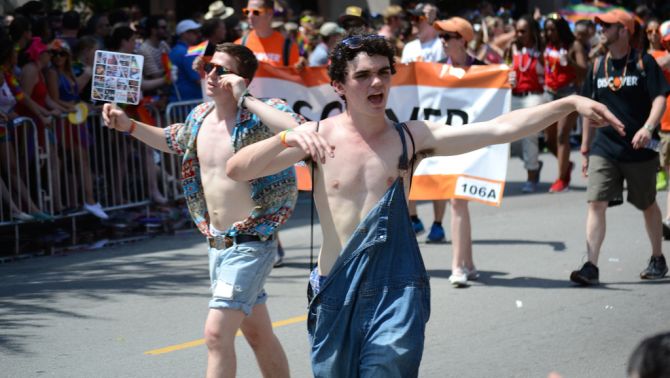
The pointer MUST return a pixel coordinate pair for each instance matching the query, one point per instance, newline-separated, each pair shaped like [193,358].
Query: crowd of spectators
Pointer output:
[47,58]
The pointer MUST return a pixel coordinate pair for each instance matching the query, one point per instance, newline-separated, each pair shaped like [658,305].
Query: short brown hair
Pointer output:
[247,64]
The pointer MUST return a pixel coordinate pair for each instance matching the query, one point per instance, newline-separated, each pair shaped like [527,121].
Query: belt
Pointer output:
[524,94]
[225,241]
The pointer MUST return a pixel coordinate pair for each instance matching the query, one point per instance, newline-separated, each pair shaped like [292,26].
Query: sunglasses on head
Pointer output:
[356,41]
[255,12]
[220,70]
[447,36]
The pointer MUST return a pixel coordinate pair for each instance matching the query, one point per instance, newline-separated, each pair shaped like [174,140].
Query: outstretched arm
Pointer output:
[279,152]
[440,140]
[115,118]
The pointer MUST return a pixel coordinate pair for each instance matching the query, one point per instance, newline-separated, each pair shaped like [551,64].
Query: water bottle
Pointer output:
[653,144]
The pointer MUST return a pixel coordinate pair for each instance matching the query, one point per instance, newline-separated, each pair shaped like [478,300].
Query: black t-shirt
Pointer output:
[631,104]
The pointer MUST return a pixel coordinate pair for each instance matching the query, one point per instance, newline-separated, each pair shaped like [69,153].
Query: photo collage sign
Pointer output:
[117,77]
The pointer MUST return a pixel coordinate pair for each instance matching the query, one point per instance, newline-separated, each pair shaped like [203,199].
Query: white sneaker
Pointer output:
[458,278]
[96,209]
[23,216]
[471,274]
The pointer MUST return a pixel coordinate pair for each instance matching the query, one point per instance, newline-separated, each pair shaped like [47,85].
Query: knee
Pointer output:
[459,207]
[214,338]
[598,206]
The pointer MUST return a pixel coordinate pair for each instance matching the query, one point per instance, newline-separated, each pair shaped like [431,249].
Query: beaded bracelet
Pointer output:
[131,129]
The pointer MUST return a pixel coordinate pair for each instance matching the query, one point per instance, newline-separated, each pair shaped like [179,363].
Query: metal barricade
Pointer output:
[174,113]
[21,191]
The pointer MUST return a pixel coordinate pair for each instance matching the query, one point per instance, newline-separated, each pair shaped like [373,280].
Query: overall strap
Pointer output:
[405,163]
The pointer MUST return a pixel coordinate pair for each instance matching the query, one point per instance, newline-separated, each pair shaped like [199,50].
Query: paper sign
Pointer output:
[117,77]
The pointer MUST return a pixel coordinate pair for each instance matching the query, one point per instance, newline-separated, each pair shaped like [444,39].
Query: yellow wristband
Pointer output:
[282,137]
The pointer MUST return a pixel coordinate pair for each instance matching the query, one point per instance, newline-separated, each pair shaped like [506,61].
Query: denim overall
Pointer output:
[369,316]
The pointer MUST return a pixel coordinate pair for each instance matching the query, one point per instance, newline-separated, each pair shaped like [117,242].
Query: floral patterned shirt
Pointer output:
[274,196]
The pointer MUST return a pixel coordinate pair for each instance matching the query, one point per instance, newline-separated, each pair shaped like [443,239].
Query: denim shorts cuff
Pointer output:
[234,305]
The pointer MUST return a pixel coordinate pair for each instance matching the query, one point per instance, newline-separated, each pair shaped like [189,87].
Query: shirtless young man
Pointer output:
[239,228]
[371,296]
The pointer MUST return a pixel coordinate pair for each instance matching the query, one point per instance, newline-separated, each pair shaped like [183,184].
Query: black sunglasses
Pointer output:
[58,53]
[220,70]
[446,37]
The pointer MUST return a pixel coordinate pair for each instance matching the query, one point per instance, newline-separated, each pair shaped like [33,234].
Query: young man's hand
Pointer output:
[115,118]
[597,113]
[309,141]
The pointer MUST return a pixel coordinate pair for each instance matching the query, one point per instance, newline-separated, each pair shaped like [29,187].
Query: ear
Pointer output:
[339,88]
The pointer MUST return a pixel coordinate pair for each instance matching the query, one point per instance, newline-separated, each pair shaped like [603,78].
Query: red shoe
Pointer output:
[559,186]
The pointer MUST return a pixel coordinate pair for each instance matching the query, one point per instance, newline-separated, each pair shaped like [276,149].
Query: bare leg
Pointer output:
[461,235]
[550,135]
[565,125]
[152,177]
[257,329]
[87,179]
[667,208]
[652,222]
[220,329]
[412,207]
[595,229]
[439,207]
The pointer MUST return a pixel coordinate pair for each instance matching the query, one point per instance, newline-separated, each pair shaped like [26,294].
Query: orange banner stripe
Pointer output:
[419,73]
[433,187]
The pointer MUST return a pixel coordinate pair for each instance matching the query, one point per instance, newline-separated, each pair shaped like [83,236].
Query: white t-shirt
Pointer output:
[430,51]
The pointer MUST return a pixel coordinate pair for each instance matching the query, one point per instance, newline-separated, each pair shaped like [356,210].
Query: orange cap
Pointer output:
[618,16]
[456,25]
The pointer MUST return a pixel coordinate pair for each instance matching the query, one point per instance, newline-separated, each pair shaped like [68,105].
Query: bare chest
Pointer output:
[213,145]
[361,169]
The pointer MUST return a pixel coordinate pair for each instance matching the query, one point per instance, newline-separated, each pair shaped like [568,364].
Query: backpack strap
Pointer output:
[594,75]
[286,52]
[244,39]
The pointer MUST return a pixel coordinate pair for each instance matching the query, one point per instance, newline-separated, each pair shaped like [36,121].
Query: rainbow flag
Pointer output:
[197,50]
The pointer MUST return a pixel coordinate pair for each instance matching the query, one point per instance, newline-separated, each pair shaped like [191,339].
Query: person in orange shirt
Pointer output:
[661,35]
[269,45]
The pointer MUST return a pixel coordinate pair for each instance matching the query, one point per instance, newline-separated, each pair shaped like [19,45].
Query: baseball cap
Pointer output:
[664,29]
[618,16]
[186,25]
[330,28]
[417,10]
[456,25]
[352,15]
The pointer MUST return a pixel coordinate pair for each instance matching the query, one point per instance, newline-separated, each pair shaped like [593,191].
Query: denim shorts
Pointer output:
[238,274]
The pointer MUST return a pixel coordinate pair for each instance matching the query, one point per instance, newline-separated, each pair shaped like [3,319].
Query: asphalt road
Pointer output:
[138,309]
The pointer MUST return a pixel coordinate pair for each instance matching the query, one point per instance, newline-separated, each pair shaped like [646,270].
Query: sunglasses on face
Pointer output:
[652,31]
[220,70]
[254,11]
[58,53]
[606,25]
[447,36]
[417,19]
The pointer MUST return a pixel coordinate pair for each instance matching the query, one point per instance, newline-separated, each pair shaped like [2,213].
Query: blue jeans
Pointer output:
[238,274]
[369,316]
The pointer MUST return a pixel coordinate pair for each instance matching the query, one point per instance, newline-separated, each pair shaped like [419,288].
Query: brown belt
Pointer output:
[223,242]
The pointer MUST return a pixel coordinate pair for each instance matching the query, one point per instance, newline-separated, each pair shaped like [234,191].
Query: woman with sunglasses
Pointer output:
[564,67]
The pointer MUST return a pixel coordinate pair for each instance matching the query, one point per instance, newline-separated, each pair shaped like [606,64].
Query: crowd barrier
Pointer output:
[49,173]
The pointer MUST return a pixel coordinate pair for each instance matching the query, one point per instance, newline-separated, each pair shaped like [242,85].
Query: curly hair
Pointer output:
[247,64]
[348,48]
